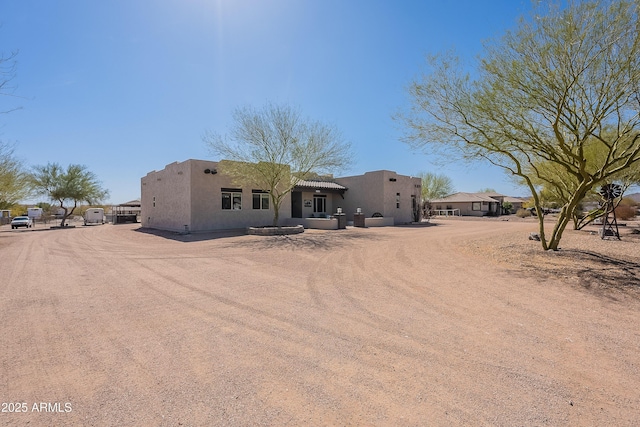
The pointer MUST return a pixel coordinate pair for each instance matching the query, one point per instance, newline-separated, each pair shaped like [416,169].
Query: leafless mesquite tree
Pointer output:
[7,74]
[274,148]
[13,185]
[566,77]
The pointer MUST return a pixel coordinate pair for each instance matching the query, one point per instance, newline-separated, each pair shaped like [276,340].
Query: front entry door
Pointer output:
[296,204]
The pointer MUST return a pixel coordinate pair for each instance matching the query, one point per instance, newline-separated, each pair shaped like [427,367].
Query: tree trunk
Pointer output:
[543,239]
[64,216]
[276,210]
[566,213]
[558,229]
[539,213]
[67,212]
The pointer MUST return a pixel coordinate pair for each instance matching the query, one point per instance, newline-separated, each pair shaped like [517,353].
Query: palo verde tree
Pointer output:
[557,186]
[434,186]
[275,147]
[567,76]
[67,187]
[14,184]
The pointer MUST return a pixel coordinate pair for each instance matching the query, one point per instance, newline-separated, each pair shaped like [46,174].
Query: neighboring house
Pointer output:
[474,204]
[467,204]
[516,202]
[194,196]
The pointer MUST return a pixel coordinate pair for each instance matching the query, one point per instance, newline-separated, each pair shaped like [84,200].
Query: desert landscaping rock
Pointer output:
[458,323]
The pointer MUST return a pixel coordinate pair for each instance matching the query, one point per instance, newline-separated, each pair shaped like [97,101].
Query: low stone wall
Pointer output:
[275,231]
[322,223]
[316,223]
[379,222]
[332,223]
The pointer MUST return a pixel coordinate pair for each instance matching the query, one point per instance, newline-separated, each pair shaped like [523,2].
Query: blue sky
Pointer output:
[128,86]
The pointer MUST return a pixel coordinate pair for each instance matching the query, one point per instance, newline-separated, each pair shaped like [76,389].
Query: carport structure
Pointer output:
[126,212]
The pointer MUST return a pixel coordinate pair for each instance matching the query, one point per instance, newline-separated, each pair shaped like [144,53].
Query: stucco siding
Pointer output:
[364,192]
[333,201]
[383,191]
[188,196]
[166,198]
[193,198]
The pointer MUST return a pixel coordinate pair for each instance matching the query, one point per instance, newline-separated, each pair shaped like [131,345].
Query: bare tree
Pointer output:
[7,74]
[13,186]
[274,148]
[565,78]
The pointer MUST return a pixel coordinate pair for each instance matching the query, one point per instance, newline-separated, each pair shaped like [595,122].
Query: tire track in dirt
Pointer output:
[370,327]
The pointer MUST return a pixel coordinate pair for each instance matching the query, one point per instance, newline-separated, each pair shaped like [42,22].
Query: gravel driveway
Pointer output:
[396,326]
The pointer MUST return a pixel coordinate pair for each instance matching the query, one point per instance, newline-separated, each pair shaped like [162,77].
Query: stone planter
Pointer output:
[275,231]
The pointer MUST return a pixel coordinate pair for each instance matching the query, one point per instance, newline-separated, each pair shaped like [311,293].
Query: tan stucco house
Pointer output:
[194,196]
[382,192]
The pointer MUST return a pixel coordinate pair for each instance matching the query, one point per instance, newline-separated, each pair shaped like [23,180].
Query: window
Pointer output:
[397,200]
[231,199]
[154,201]
[260,199]
[475,206]
[320,204]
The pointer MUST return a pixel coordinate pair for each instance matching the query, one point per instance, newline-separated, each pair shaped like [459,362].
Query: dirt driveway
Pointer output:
[403,326]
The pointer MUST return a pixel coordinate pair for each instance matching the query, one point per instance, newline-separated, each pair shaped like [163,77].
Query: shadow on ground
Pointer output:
[192,237]
[593,271]
[310,239]
[598,270]
[315,240]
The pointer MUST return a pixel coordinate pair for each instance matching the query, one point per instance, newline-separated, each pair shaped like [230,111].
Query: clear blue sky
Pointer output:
[128,86]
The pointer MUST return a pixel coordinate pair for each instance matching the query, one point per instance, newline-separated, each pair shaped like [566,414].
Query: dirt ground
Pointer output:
[456,323]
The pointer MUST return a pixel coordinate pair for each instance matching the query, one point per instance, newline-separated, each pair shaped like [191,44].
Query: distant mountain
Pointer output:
[634,196]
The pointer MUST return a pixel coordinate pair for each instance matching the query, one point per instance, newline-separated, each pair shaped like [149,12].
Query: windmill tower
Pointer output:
[609,193]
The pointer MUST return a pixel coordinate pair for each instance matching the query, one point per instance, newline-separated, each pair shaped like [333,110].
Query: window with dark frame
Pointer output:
[397,200]
[231,199]
[475,206]
[260,199]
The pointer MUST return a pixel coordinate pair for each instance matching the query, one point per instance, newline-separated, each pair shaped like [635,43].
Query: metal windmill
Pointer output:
[609,193]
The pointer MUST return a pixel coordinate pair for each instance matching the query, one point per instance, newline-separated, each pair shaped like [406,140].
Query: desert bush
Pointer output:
[625,212]
[523,213]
